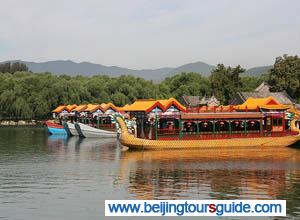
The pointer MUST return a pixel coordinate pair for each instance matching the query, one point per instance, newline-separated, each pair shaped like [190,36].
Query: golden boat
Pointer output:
[280,139]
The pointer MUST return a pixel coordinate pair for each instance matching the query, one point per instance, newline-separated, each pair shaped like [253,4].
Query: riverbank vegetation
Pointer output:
[26,95]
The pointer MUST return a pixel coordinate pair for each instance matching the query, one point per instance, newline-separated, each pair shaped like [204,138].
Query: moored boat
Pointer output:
[70,128]
[214,141]
[88,131]
[260,122]
[54,128]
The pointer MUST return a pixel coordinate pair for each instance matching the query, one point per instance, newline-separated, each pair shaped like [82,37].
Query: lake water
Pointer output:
[52,177]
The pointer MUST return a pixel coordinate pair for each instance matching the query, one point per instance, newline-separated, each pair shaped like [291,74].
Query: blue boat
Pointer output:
[60,131]
[54,128]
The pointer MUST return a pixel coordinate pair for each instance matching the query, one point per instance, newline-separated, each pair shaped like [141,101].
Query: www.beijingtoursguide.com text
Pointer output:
[195,208]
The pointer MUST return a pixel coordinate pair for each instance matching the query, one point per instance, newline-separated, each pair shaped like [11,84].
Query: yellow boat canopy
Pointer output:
[171,101]
[264,103]
[92,107]
[61,108]
[80,108]
[146,105]
[106,106]
[86,108]
[71,107]
[142,105]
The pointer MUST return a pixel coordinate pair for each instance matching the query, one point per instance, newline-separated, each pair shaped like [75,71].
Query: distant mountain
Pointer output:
[88,69]
[198,67]
[255,71]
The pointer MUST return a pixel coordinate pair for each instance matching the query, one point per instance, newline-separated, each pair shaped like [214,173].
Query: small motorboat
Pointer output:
[55,128]
[70,128]
[88,131]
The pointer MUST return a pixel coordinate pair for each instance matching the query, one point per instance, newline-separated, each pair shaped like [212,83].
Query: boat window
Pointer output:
[277,121]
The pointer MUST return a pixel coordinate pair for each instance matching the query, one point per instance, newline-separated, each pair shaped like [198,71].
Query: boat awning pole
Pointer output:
[180,128]
[155,127]
[260,126]
[283,122]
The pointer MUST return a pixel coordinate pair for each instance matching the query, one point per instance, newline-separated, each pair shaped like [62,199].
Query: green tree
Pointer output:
[225,82]
[5,67]
[12,68]
[285,75]
[119,99]
[250,83]
[186,84]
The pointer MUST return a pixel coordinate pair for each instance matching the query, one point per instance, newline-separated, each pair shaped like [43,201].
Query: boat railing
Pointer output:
[107,125]
[164,131]
[94,125]
[203,109]
[225,135]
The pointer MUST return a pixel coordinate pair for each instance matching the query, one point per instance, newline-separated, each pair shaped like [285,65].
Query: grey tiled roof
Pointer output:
[192,100]
[263,91]
[196,101]
[281,97]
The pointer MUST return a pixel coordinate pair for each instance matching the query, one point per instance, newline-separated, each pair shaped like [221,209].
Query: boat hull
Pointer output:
[60,131]
[54,128]
[138,143]
[90,132]
[70,127]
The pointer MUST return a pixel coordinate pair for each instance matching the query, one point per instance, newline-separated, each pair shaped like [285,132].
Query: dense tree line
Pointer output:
[25,95]
[285,75]
[12,67]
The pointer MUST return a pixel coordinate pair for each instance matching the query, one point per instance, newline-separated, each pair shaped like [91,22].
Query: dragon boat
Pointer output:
[160,124]
[222,140]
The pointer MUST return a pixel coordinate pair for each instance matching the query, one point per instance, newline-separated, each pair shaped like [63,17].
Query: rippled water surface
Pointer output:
[52,177]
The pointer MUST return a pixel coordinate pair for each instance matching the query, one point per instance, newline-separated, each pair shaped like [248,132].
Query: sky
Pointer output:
[142,34]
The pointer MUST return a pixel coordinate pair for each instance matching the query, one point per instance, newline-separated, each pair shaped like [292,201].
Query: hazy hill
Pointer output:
[88,69]
[258,70]
[198,67]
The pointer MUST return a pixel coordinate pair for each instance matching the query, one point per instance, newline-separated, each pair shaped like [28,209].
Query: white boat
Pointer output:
[70,128]
[88,131]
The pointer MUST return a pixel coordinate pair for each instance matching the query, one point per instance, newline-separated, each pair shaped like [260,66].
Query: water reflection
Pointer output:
[74,176]
[93,148]
[54,177]
[222,174]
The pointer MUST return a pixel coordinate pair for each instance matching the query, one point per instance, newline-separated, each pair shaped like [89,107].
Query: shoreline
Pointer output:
[20,122]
